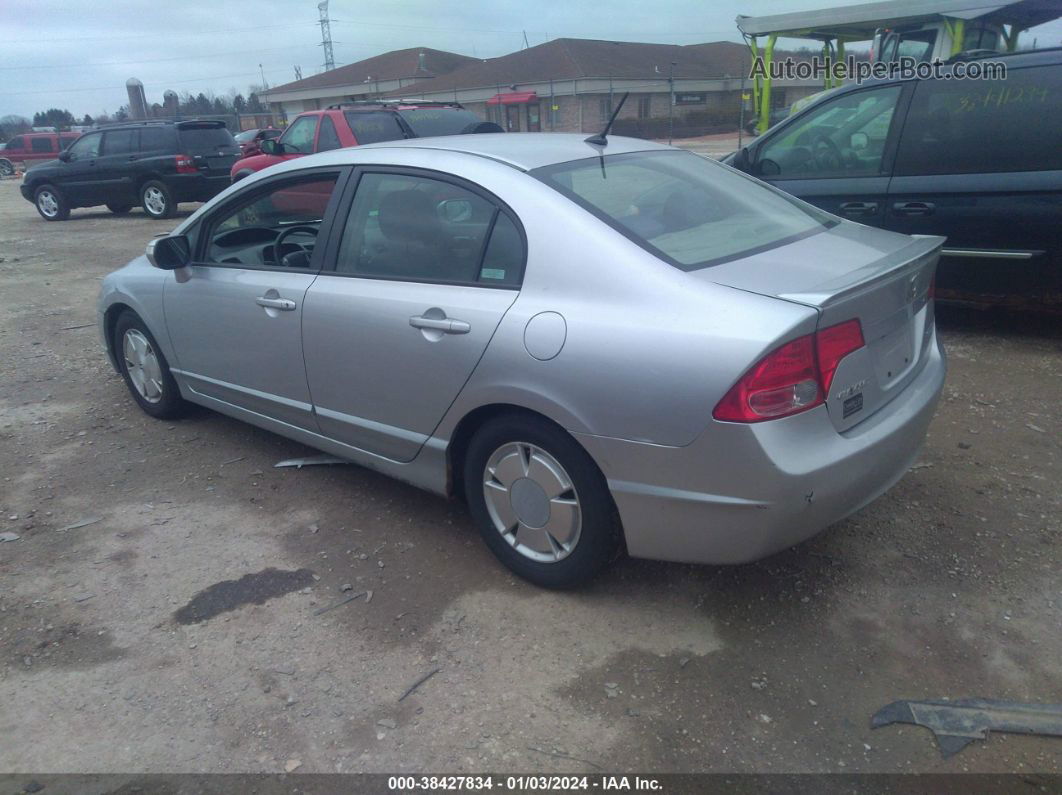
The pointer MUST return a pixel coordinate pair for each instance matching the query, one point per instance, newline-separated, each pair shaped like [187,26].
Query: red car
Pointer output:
[31,148]
[250,141]
[341,126]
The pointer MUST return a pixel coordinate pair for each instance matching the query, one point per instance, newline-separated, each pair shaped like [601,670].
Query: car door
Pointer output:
[837,154]
[77,176]
[415,286]
[980,161]
[115,167]
[235,324]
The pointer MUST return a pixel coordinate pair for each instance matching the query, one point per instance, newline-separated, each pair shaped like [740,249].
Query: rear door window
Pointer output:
[119,142]
[411,228]
[207,140]
[156,139]
[328,138]
[982,126]
[371,128]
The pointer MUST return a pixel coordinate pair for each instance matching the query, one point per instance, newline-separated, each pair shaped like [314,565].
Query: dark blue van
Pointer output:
[979,161]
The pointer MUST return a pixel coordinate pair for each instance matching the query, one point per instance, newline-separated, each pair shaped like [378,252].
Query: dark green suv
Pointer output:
[154,164]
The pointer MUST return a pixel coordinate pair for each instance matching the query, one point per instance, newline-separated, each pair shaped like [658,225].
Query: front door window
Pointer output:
[299,136]
[843,137]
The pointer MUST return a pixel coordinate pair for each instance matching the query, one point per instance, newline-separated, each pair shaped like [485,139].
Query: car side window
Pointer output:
[272,226]
[86,147]
[156,139]
[299,136]
[119,142]
[843,137]
[414,228]
[15,143]
[42,145]
[982,126]
[327,138]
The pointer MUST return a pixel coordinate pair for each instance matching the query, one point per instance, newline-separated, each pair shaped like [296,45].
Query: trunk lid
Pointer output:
[853,271]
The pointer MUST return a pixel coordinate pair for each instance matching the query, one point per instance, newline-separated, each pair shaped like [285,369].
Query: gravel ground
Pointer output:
[177,629]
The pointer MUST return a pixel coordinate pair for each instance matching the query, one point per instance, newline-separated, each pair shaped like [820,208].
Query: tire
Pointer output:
[51,204]
[157,394]
[564,528]
[119,209]
[157,200]
[7,168]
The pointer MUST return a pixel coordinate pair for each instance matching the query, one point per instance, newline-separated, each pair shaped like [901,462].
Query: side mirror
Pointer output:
[65,156]
[169,253]
[768,168]
[271,146]
[742,159]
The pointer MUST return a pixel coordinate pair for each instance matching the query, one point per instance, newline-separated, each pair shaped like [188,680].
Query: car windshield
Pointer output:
[688,210]
[426,122]
[204,140]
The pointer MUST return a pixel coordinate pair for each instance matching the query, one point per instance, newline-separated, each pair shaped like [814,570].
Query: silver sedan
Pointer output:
[597,347]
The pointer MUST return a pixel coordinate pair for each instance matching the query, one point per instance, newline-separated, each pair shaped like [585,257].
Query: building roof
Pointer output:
[860,21]
[568,59]
[392,65]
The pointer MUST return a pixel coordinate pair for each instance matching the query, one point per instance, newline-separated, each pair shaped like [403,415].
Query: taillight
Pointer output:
[792,378]
[833,344]
[186,165]
[783,382]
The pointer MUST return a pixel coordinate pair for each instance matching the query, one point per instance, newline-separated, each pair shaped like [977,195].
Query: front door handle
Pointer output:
[445,324]
[859,208]
[283,304]
[913,208]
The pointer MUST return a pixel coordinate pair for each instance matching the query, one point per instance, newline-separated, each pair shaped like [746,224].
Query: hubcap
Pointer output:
[142,364]
[155,201]
[532,502]
[48,203]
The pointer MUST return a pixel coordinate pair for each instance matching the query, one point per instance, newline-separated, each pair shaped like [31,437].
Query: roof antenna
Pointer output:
[600,139]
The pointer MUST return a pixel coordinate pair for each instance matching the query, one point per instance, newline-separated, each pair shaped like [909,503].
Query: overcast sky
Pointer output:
[78,55]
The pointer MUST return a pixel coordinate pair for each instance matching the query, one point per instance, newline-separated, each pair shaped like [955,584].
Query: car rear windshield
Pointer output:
[373,127]
[206,140]
[688,210]
[426,122]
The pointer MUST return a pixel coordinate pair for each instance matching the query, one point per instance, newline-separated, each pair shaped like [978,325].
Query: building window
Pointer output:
[645,105]
[606,108]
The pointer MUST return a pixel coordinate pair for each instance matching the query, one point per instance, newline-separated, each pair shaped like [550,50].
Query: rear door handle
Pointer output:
[283,304]
[445,325]
[859,208]
[913,208]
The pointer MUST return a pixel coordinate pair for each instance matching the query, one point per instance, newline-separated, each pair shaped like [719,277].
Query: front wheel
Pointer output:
[157,200]
[145,370]
[540,502]
[7,168]
[51,204]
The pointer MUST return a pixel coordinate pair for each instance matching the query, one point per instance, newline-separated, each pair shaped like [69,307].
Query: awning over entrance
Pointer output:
[513,98]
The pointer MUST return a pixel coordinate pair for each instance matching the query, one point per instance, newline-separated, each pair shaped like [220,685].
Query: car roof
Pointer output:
[525,151]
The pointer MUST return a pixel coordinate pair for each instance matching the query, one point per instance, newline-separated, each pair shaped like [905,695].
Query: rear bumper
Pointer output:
[198,187]
[742,492]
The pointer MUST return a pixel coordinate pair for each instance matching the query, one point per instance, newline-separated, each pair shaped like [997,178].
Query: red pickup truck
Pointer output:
[340,126]
[31,148]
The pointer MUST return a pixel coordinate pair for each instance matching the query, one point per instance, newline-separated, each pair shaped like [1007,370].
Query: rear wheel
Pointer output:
[145,370]
[51,204]
[119,209]
[540,502]
[7,168]
[157,200]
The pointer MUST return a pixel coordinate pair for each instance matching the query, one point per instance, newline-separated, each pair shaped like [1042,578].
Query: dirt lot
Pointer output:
[120,651]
